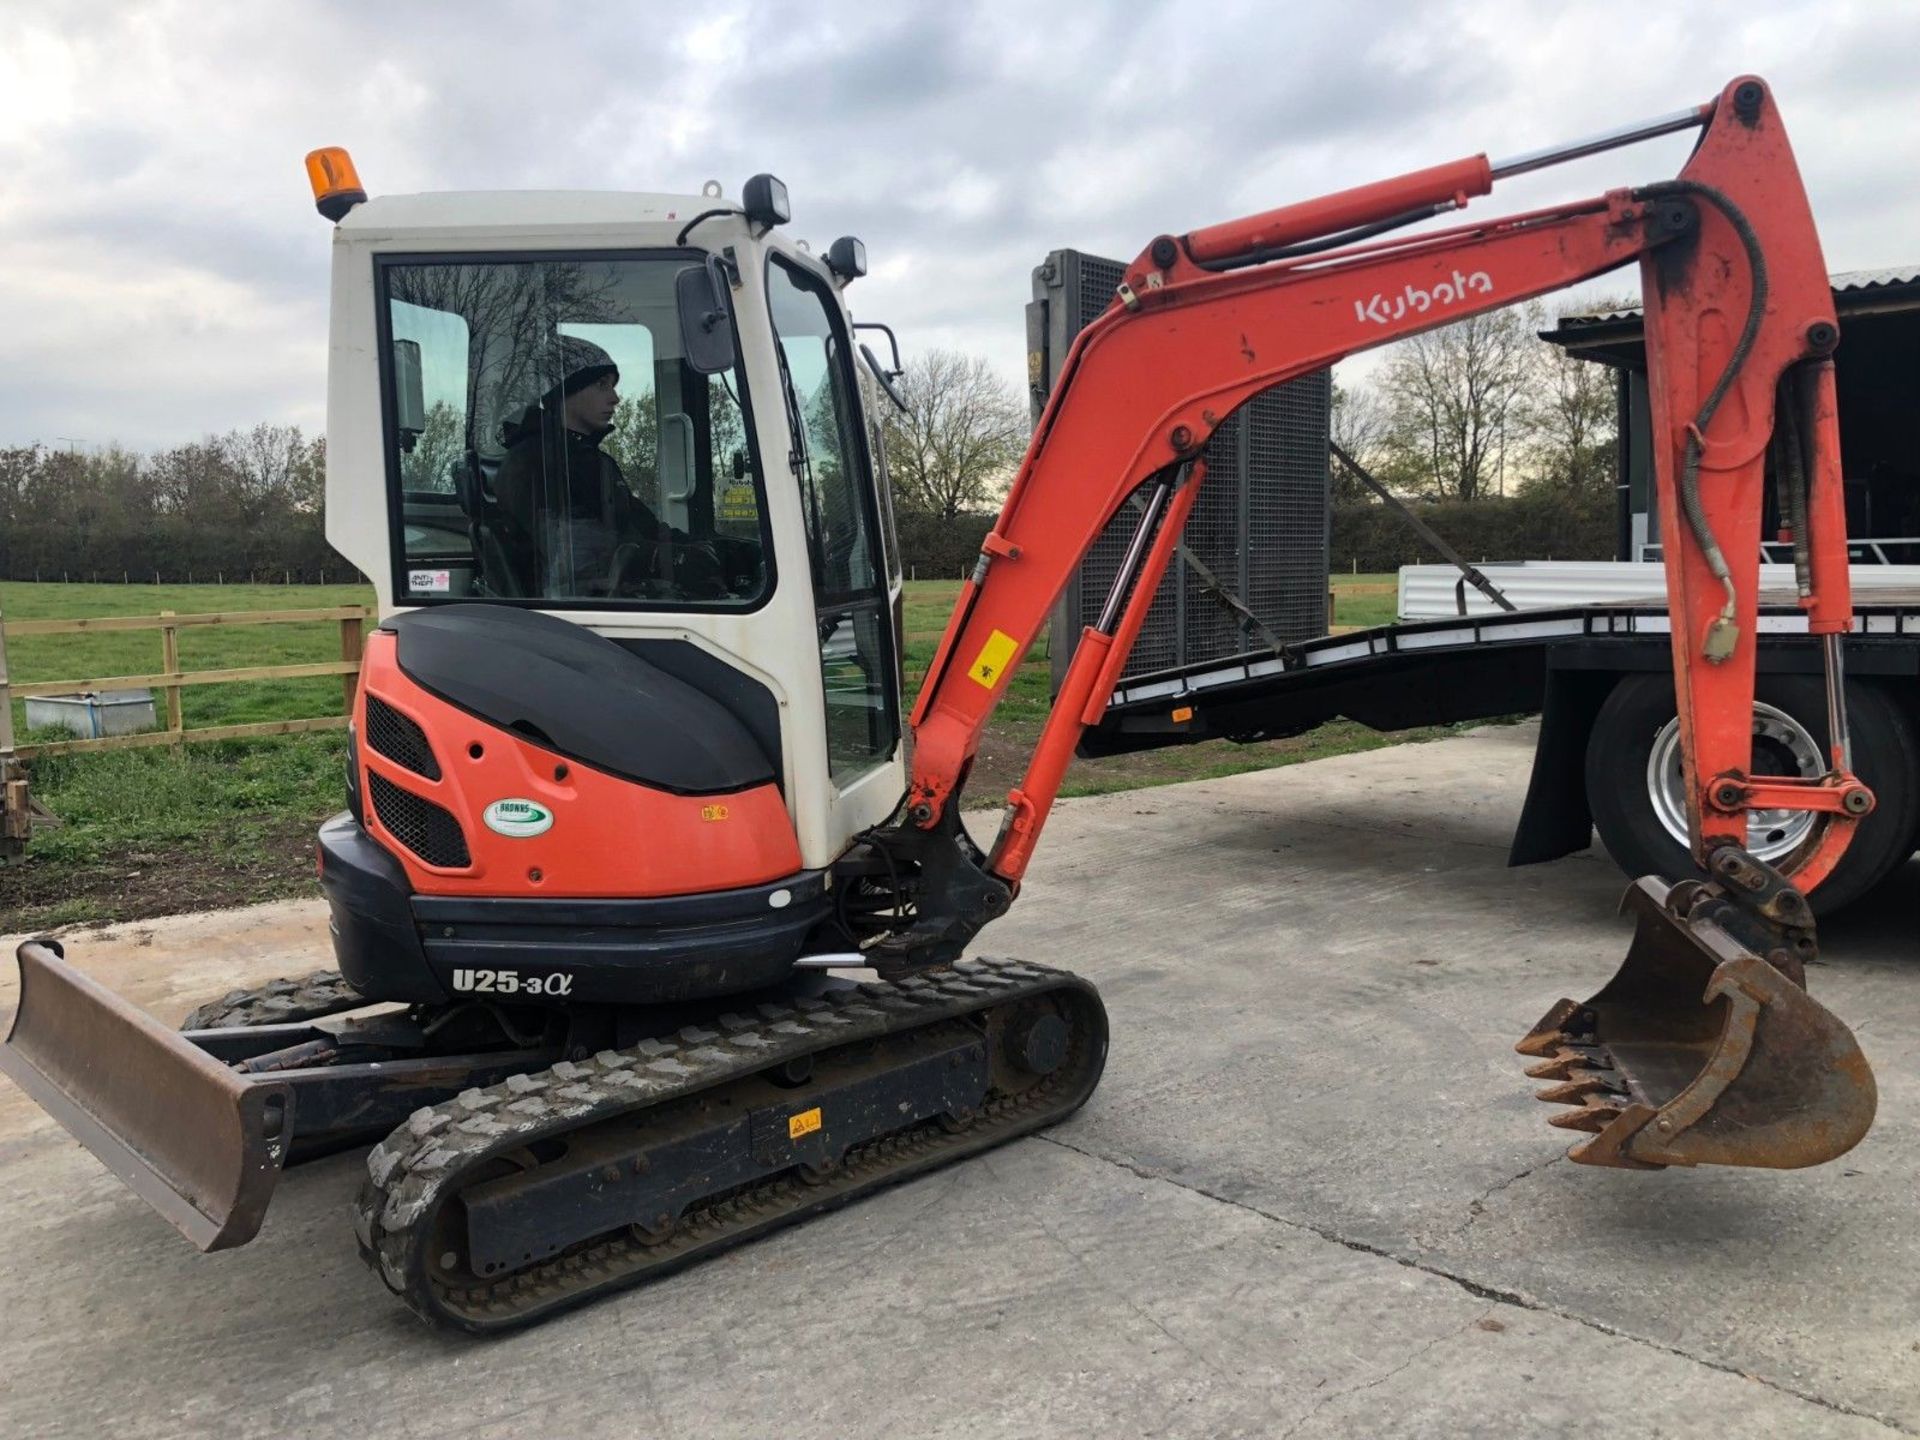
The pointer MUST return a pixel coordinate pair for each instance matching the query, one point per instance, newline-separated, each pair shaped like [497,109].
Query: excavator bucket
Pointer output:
[192,1137]
[1701,1052]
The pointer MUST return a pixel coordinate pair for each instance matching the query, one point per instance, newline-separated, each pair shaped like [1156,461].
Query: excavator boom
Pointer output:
[1740,334]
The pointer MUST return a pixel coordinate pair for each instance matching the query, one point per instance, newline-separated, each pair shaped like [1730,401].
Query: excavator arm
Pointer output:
[1740,331]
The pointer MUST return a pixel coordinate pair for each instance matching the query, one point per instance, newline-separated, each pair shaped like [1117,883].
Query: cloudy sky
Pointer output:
[162,273]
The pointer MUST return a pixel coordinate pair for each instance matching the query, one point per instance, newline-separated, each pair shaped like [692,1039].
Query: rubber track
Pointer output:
[418,1167]
[278,1002]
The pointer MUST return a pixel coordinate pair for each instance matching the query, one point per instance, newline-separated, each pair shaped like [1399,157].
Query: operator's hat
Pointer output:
[581,364]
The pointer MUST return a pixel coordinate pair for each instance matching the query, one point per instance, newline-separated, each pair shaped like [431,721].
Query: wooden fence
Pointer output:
[169,680]
[18,811]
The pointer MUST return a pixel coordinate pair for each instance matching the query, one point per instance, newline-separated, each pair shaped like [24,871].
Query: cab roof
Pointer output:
[523,210]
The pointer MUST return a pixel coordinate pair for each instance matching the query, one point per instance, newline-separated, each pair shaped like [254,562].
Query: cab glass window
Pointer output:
[551,446]
[882,482]
[850,593]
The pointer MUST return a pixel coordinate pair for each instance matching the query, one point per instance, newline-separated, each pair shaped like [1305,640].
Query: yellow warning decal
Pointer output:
[991,663]
[805,1123]
[739,505]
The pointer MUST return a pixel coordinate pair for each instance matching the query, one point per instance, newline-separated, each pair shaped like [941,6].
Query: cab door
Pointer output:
[858,660]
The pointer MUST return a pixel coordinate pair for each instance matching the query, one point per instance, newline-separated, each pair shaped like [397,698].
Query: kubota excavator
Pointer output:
[627,778]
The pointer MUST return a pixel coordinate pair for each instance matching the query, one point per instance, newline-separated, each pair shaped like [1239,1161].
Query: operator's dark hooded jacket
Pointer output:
[567,497]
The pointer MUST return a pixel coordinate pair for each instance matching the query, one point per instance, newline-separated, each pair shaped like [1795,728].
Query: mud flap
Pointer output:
[1700,1052]
[199,1142]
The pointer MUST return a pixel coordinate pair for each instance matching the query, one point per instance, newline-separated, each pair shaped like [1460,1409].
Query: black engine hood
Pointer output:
[580,695]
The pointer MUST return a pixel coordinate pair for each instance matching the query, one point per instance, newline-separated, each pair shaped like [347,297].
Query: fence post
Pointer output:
[170,663]
[351,642]
[6,702]
[16,817]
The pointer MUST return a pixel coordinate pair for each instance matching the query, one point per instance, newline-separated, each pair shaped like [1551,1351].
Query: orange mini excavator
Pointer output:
[627,779]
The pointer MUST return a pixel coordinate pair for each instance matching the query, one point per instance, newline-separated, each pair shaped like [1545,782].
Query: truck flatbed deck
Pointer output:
[1427,672]
[1578,667]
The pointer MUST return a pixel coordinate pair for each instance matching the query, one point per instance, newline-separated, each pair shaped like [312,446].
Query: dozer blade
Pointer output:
[196,1140]
[1700,1052]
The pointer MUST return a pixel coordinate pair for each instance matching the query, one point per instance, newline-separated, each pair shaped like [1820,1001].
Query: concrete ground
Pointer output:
[1312,1197]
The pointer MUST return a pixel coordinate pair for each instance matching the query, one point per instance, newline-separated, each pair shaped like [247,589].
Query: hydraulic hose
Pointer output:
[1724,633]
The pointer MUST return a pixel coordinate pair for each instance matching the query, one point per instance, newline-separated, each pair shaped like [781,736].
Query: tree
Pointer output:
[1572,417]
[634,441]
[245,502]
[634,444]
[1359,427]
[961,437]
[17,467]
[511,315]
[1454,400]
[440,445]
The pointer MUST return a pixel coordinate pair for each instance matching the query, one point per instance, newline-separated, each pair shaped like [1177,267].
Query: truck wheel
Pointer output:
[1638,802]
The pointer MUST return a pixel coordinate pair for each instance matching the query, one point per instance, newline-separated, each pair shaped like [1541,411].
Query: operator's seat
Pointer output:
[502,555]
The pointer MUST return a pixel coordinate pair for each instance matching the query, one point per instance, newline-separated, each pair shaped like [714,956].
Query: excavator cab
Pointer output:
[630,425]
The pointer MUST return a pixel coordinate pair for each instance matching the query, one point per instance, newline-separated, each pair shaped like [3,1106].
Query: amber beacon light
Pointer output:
[336,184]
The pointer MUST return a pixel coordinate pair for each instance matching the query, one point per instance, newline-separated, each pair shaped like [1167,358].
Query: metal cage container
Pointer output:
[1252,567]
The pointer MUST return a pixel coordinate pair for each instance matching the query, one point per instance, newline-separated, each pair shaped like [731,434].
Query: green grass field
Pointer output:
[928,603]
[150,831]
[1359,600]
[1364,600]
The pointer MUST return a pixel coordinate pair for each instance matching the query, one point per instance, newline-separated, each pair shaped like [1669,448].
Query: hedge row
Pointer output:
[935,547]
[1539,525]
[1367,536]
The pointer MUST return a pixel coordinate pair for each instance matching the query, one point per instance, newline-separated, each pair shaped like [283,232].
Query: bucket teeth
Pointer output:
[1558,1028]
[1586,1079]
[1566,1064]
[1579,1088]
[1594,1117]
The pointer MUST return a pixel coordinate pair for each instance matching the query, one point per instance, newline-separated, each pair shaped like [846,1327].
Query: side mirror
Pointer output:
[409,393]
[885,378]
[700,294]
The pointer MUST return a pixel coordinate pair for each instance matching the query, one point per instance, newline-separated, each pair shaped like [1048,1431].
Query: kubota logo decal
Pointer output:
[1386,309]
[518,819]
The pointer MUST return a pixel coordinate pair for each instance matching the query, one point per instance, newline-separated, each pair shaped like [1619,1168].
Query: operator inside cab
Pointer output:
[563,498]
[553,447]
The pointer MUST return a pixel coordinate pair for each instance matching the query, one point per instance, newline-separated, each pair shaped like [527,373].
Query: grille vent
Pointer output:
[1258,529]
[1158,646]
[422,826]
[393,735]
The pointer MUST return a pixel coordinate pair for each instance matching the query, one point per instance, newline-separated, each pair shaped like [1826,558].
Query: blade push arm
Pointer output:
[1736,297]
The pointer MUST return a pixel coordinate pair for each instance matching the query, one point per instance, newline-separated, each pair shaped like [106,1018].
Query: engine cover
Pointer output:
[504,752]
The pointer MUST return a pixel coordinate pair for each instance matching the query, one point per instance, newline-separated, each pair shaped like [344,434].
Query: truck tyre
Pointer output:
[1638,804]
